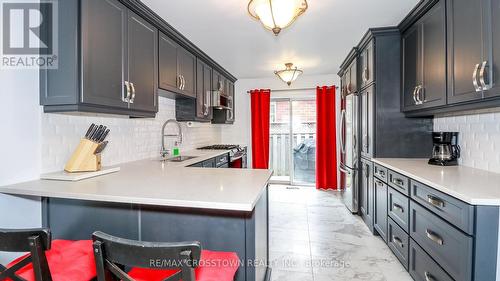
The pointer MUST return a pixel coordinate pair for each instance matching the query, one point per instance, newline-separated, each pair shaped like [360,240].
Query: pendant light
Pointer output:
[276,14]
[289,74]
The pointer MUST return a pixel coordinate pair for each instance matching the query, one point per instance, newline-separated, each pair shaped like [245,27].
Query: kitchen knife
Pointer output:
[89,132]
[101,147]
[94,135]
[99,134]
[104,135]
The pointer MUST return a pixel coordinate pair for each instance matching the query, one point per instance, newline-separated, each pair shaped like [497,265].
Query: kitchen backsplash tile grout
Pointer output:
[479,136]
[129,139]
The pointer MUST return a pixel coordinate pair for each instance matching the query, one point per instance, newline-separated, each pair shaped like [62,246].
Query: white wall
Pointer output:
[479,136]
[19,147]
[240,132]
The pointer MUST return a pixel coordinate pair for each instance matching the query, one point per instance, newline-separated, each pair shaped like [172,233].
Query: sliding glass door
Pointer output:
[293,140]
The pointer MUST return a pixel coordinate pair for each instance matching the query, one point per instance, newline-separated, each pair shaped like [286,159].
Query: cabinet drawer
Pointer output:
[399,182]
[423,267]
[456,212]
[448,246]
[398,242]
[380,172]
[222,159]
[398,208]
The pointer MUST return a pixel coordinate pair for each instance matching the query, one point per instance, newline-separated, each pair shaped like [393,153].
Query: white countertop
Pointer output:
[473,186]
[152,182]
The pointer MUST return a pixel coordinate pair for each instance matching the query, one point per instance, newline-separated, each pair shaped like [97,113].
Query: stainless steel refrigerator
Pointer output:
[349,152]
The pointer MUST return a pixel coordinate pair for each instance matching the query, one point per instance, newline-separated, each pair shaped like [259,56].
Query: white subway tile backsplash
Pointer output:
[129,139]
[479,136]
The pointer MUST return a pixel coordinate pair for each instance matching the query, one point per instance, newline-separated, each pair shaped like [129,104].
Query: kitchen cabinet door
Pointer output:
[216,81]
[367,115]
[186,65]
[367,64]
[203,90]
[411,66]
[464,49]
[491,10]
[230,112]
[167,64]
[433,43]
[367,193]
[380,208]
[424,61]
[104,53]
[142,63]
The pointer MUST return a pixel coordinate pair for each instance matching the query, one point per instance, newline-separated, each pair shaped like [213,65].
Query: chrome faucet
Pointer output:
[164,151]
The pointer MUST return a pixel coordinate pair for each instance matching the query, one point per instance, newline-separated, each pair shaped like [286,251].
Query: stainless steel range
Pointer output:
[237,154]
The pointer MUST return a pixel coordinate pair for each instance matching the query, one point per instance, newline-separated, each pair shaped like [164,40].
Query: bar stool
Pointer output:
[47,260]
[152,261]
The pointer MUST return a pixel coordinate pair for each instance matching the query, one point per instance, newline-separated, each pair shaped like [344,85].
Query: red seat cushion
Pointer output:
[68,260]
[214,266]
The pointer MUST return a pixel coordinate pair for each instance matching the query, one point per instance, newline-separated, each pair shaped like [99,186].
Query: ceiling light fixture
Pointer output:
[289,74]
[276,14]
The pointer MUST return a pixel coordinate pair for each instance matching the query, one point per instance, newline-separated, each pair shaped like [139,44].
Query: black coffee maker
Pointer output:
[446,150]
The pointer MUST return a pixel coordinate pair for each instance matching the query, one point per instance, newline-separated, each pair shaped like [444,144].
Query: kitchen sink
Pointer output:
[179,158]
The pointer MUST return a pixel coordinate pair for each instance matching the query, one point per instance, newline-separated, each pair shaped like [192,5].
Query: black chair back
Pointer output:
[36,242]
[113,254]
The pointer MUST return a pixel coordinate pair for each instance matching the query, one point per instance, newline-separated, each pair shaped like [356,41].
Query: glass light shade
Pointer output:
[276,14]
[289,74]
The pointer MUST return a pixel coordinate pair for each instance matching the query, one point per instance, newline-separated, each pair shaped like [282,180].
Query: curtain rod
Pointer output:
[294,89]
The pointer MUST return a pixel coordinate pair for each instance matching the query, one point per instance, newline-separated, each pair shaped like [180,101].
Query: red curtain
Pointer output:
[261,100]
[326,147]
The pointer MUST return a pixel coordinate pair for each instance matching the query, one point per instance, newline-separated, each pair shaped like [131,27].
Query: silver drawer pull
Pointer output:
[397,181]
[434,237]
[398,241]
[434,201]
[429,277]
[381,173]
[398,207]
[379,183]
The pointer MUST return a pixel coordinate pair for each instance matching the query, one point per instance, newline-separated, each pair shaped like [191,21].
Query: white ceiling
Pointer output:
[317,42]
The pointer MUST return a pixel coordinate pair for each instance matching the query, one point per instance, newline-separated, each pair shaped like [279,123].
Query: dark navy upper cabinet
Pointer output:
[104,28]
[491,18]
[177,68]
[143,63]
[465,48]
[424,61]
[116,68]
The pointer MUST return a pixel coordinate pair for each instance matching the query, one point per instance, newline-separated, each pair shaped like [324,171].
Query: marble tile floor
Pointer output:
[313,237]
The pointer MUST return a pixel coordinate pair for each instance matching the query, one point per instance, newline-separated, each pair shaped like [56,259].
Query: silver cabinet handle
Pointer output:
[419,101]
[381,173]
[421,93]
[379,183]
[428,276]
[397,181]
[342,128]
[132,88]
[179,81]
[398,207]
[415,95]
[127,87]
[365,75]
[397,241]
[435,201]
[183,82]
[434,237]
[483,76]
[474,78]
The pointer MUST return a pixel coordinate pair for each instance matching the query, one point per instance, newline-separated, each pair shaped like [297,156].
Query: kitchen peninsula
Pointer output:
[152,200]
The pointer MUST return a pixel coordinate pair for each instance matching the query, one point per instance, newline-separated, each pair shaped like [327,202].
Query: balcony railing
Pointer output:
[280,150]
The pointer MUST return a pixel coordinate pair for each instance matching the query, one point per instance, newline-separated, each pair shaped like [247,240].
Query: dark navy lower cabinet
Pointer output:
[398,241]
[434,235]
[380,207]
[422,267]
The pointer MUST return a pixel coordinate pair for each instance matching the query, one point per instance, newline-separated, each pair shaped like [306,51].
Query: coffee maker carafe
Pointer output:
[446,150]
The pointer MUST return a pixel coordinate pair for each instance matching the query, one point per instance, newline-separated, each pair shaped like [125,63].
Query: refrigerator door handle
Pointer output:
[343,169]
[342,128]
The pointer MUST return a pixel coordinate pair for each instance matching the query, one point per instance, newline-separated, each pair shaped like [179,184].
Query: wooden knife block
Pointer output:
[84,159]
